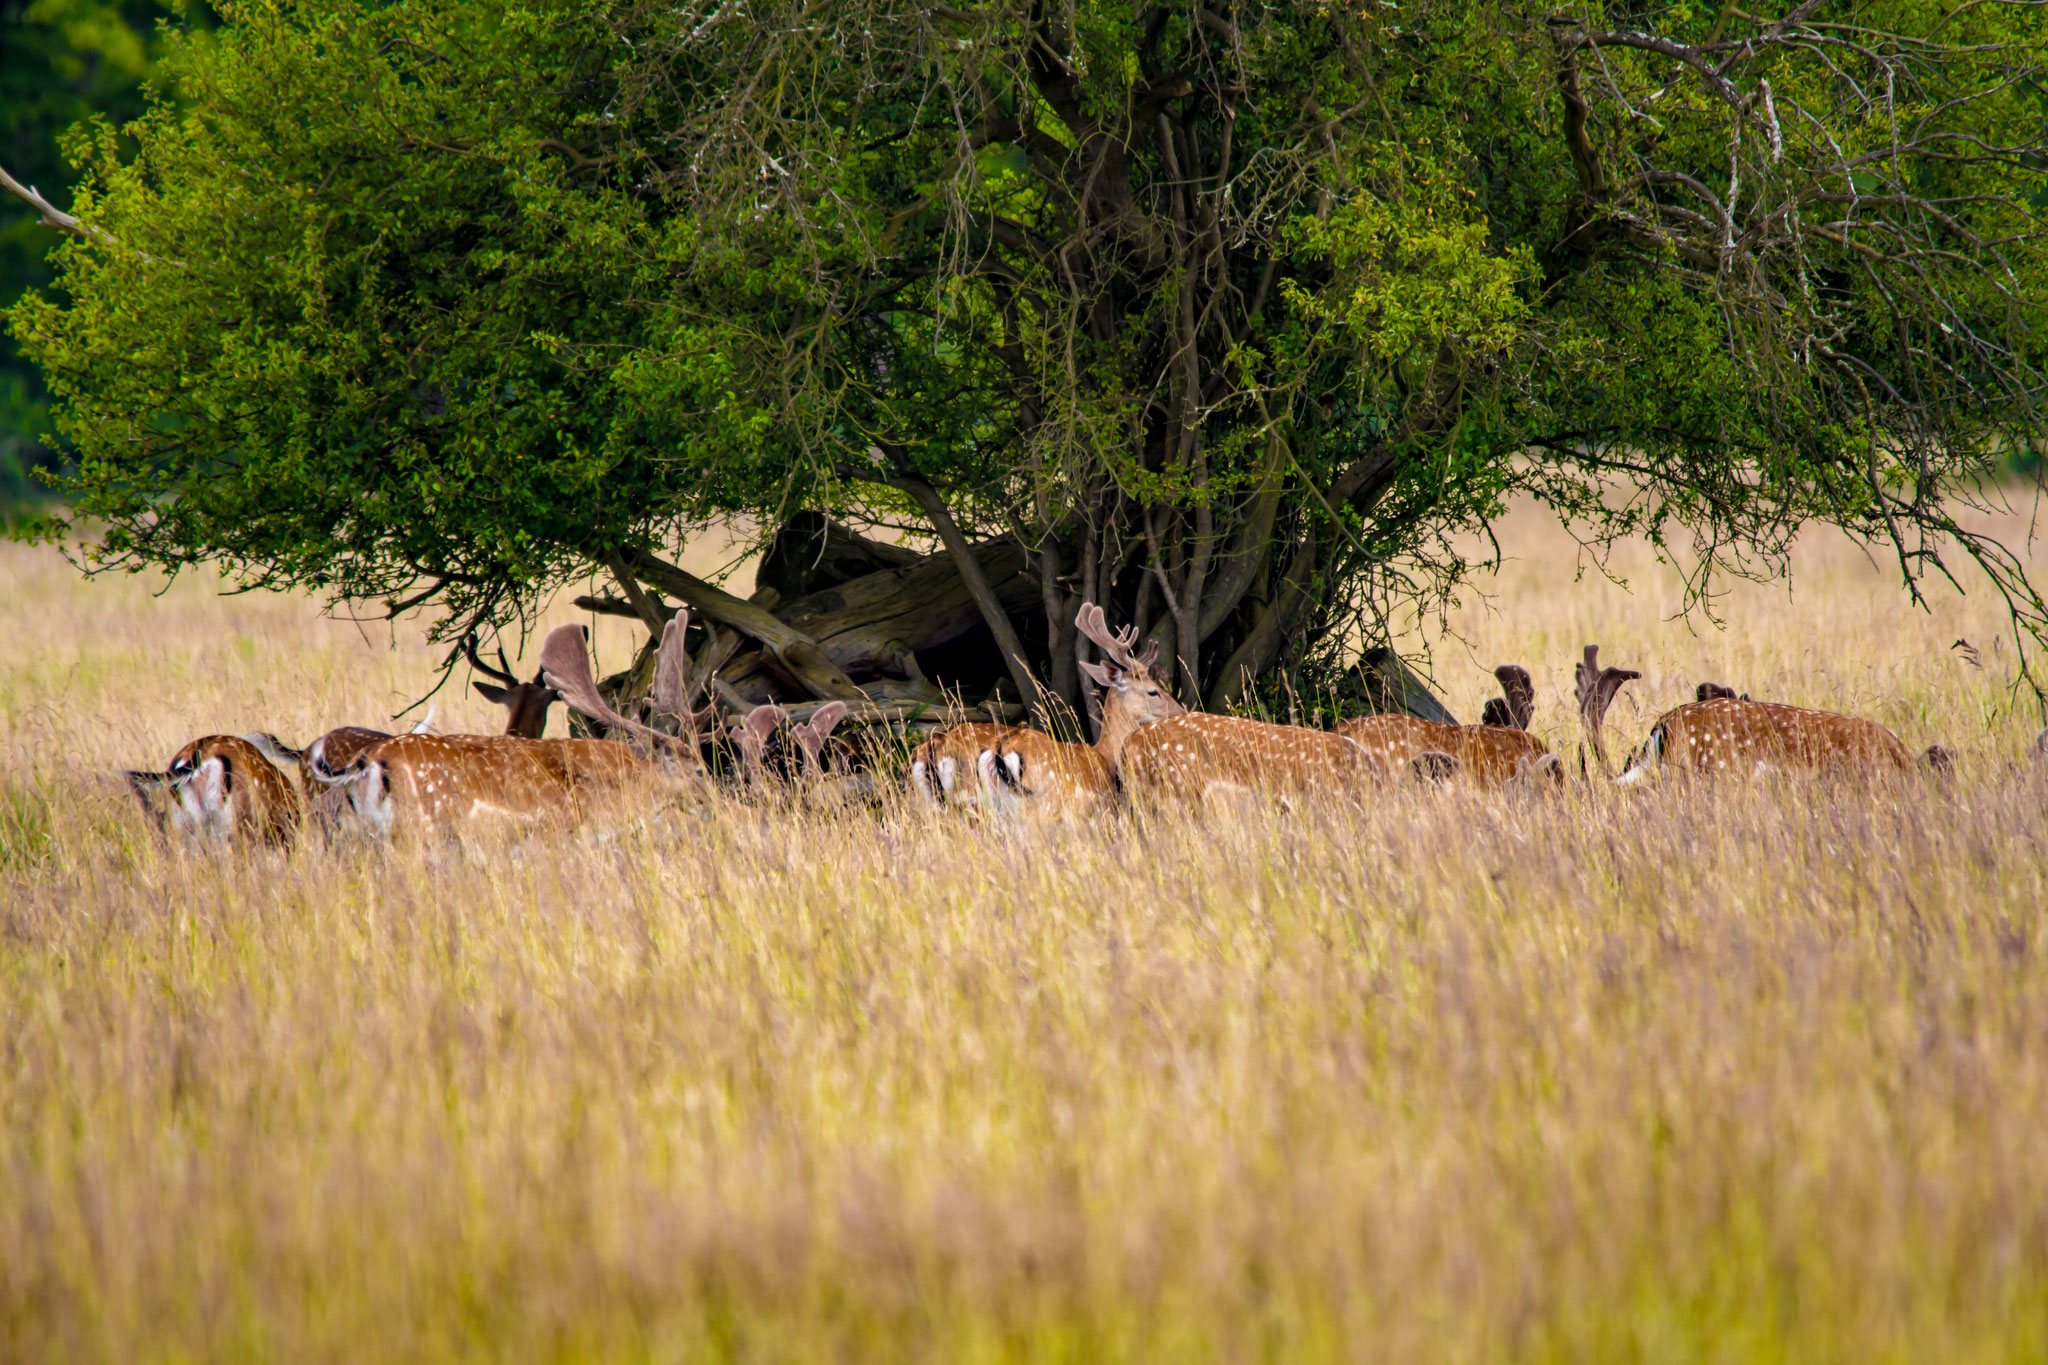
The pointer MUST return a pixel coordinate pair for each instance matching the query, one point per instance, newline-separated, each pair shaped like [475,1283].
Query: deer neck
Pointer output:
[1119,723]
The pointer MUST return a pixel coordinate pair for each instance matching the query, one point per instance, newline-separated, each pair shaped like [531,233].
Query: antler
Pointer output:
[1596,689]
[752,733]
[502,674]
[812,735]
[1115,647]
[565,665]
[1519,694]
[670,691]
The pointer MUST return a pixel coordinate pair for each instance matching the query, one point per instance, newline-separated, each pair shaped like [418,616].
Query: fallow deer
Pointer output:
[1029,770]
[944,769]
[1159,752]
[1723,734]
[526,703]
[438,783]
[1493,754]
[220,787]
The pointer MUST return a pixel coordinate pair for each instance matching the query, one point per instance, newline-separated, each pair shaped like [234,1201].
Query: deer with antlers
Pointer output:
[1719,733]
[1028,770]
[1159,752]
[1492,754]
[221,787]
[526,703]
[440,783]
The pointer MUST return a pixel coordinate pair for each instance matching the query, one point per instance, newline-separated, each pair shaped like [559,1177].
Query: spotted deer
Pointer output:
[1158,753]
[1719,733]
[944,769]
[1030,771]
[221,787]
[1492,754]
[438,784]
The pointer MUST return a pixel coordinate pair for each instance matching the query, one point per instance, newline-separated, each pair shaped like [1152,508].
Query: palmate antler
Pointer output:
[565,664]
[1596,690]
[1116,647]
[814,734]
[1513,709]
[752,734]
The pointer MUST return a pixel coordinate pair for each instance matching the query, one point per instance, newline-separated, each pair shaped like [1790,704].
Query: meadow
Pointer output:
[1749,1072]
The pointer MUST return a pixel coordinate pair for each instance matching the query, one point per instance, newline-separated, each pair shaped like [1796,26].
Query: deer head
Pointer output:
[1596,690]
[1132,694]
[526,703]
[565,666]
[1538,772]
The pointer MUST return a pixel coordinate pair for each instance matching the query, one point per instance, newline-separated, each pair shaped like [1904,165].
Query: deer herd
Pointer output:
[1151,752]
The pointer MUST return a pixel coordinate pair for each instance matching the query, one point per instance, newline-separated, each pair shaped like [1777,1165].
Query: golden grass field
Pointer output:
[1747,1073]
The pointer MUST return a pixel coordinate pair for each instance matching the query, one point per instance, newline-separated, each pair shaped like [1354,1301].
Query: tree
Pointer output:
[61,61]
[1229,316]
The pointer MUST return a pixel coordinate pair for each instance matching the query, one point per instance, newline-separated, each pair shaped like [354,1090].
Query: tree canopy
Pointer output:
[1232,316]
[61,61]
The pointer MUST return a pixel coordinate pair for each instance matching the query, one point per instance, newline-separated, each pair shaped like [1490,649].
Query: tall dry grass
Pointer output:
[1747,1073]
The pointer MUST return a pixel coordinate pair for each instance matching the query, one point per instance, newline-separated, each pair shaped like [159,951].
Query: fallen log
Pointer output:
[798,654]
[811,552]
[1387,685]
[872,623]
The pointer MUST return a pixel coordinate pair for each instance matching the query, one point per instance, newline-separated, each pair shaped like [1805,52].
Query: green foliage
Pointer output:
[61,61]
[1236,316]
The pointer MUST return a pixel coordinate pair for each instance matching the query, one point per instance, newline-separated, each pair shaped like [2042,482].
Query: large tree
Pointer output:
[1231,316]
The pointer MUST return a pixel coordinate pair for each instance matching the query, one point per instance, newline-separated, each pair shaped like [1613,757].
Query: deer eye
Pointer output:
[1151,691]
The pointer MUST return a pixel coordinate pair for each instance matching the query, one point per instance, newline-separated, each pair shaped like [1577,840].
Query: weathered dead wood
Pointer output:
[1386,684]
[799,655]
[873,623]
[811,552]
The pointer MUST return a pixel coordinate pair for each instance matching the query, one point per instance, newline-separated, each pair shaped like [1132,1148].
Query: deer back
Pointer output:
[436,783]
[222,786]
[1489,755]
[1733,736]
[1182,757]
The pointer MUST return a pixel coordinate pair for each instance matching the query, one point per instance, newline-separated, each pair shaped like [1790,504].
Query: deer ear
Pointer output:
[1102,675]
[495,695]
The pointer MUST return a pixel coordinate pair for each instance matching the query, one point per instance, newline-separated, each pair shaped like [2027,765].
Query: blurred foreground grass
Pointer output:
[1747,1074]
